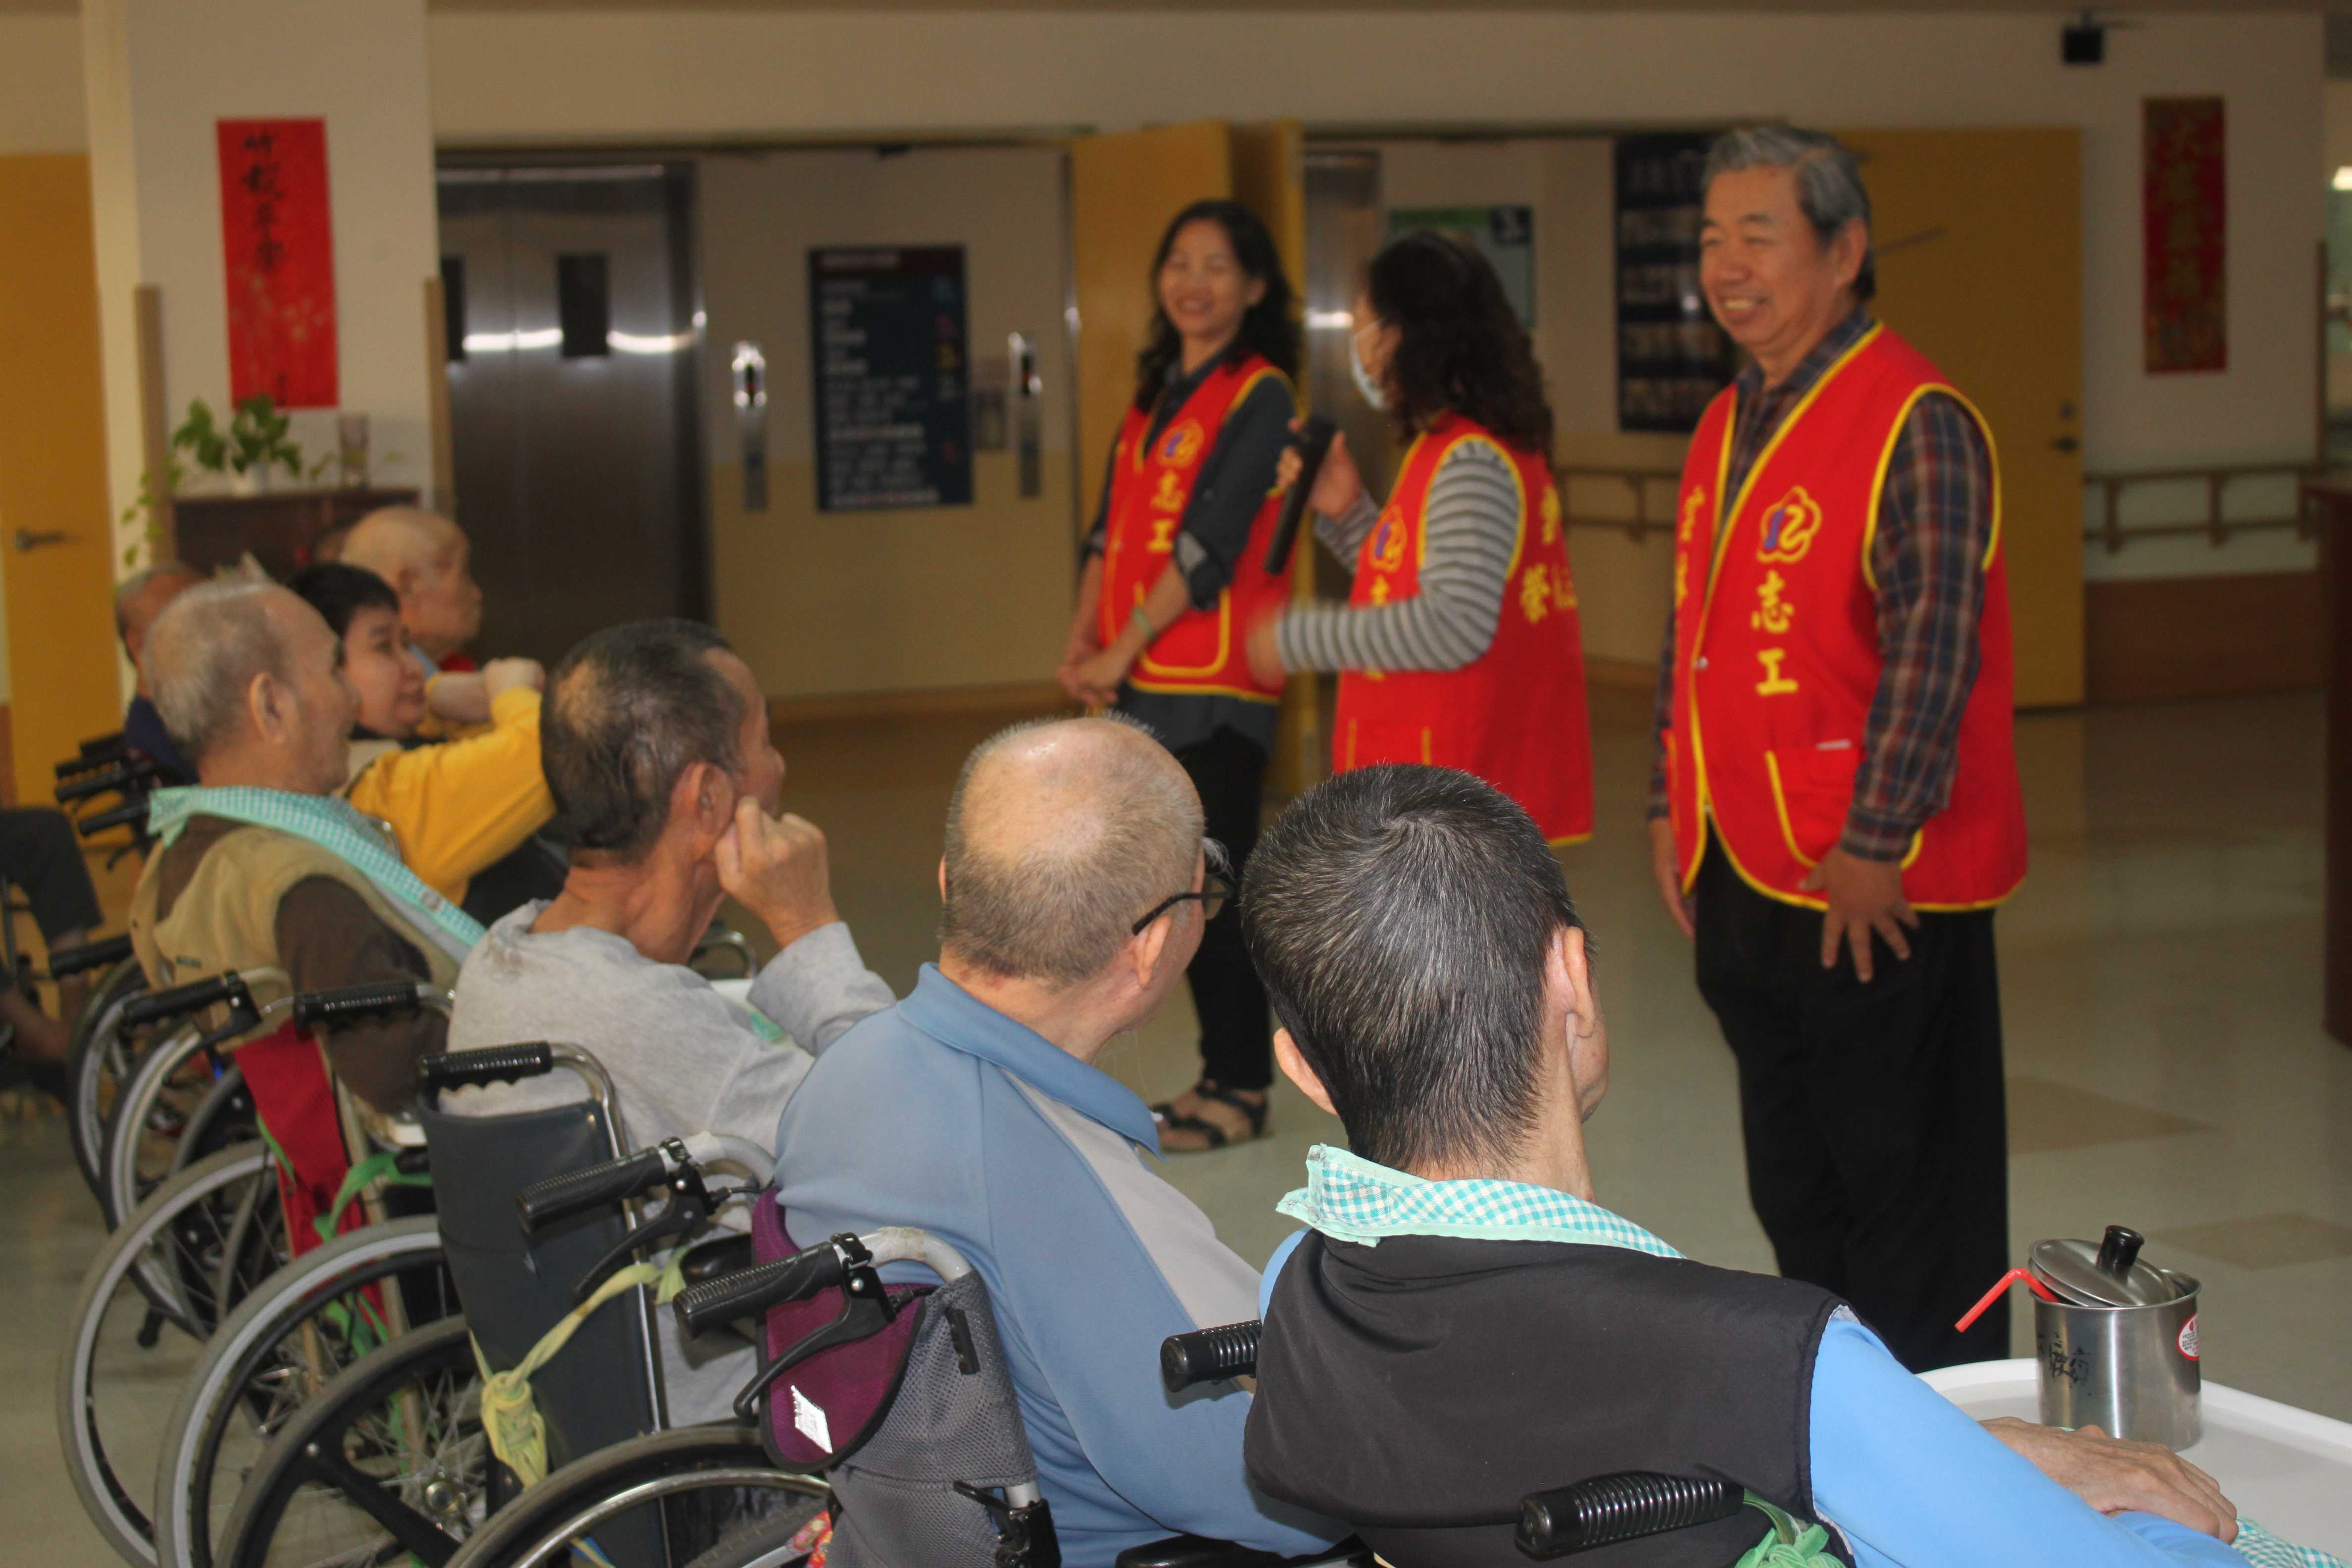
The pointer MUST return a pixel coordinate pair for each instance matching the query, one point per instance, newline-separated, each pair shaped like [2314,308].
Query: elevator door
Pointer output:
[572,358]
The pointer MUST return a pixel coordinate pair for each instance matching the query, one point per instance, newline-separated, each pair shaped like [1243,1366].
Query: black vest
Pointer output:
[1418,1389]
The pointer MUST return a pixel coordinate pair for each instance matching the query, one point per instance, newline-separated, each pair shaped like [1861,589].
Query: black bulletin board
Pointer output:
[893,369]
[1671,356]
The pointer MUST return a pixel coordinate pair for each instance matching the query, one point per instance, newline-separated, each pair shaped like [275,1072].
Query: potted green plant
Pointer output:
[245,450]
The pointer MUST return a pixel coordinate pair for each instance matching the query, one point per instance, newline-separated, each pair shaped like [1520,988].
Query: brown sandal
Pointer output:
[1213,1135]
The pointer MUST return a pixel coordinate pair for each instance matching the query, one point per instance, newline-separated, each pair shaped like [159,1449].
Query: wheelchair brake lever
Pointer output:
[688,1208]
[866,1310]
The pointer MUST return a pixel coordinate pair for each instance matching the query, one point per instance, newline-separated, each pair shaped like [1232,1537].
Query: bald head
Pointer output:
[143,596]
[426,560]
[1060,836]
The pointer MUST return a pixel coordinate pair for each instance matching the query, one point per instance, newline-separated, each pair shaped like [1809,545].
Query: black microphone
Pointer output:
[1313,443]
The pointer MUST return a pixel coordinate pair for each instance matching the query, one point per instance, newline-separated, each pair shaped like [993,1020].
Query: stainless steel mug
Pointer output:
[2130,1371]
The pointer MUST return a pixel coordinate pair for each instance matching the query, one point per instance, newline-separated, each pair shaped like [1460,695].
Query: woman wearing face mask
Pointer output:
[1459,643]
[1174,574]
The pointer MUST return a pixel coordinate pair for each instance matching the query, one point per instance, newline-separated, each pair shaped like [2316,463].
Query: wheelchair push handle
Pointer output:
[346,1002]
[478,1069]
[754,1290]
[103,953]
[1209,1355]
[181,1000]
[124,777]
[597,1186]
[132,816]
[1605,1509]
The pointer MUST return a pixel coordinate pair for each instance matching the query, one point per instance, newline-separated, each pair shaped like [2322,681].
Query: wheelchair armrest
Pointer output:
[1198,1551]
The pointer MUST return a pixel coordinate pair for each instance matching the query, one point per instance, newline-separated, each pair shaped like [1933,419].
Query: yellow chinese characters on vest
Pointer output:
[1788,533]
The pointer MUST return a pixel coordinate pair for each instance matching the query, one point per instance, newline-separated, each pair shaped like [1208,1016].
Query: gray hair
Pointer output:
[1830,191]
[1046,875]
[128,590]
[202,655]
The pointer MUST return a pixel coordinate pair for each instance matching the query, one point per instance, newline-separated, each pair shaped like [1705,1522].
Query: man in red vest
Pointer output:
[1835,810]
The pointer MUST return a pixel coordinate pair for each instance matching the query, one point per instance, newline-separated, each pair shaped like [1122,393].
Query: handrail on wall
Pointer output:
[2216,476]
[2216,529]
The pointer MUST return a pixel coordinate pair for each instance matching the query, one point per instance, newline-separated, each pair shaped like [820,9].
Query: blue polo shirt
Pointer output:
[942,1112]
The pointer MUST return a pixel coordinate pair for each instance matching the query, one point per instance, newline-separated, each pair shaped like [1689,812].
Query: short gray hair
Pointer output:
[1830,191]
[1057,906]
[202,655]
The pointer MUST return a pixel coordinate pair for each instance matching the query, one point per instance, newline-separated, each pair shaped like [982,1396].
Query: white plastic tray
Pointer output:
[2288,1467]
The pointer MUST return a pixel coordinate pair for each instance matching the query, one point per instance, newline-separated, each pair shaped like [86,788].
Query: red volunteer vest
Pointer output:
[1514,715]
[1776,648]
[1201,651]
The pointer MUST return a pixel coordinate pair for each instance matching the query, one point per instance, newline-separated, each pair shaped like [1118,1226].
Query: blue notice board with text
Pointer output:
[892,364]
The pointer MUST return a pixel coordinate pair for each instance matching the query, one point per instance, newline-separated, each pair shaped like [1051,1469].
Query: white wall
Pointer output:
[157,74]
[632,74]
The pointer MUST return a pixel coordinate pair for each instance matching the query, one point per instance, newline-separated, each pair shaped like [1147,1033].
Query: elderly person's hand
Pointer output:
[504,675]
[776,867]
[1095,679]
[2117,1477]
[1863,896]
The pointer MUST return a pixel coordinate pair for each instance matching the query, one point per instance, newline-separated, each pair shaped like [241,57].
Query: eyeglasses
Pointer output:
[1217,887]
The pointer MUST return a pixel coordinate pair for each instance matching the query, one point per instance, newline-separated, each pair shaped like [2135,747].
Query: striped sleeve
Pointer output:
[1471,535]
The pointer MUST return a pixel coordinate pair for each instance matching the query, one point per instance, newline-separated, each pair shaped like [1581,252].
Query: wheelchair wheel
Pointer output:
[707,1479]
[389,1462]
[275,1353]
[101,1058]
[179,1265]
[149,1114]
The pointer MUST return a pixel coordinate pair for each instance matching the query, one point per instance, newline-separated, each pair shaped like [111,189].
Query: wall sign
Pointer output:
[279,243]
[892,363]
[2186,211]
[1505,236]
[1672,359]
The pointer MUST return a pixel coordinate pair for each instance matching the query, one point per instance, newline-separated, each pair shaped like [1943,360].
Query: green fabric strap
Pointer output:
[378,1166]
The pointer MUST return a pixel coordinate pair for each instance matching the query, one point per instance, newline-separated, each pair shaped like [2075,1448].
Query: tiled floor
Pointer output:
[2161,987]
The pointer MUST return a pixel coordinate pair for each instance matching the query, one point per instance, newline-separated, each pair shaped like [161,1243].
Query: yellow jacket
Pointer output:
[460,806]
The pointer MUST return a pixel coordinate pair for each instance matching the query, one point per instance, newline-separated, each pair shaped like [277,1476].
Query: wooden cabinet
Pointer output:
[278,527]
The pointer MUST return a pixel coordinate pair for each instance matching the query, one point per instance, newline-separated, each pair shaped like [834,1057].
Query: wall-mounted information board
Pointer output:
[1671,356]
[893,364]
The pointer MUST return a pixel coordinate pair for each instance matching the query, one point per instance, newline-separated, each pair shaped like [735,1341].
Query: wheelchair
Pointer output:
[202,1242]
[392,1456]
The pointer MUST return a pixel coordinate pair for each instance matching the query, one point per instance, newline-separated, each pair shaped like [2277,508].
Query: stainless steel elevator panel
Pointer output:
[1343,231]
[572,397]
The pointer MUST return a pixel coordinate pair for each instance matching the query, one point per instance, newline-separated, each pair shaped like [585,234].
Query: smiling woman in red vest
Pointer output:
[1174,574]
[1459,643]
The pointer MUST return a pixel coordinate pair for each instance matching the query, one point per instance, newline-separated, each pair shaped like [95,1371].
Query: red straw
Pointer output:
[2012,1278]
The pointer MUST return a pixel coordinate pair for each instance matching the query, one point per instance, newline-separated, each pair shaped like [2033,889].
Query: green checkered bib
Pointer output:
[1349,1198]
[335,826]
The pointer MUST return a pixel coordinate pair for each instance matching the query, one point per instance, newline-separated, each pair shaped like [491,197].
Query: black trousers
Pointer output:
[1874,1115]
[1236,1030]
[40,853]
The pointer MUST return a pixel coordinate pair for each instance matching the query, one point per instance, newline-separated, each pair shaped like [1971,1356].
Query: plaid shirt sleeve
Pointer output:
[1934,524]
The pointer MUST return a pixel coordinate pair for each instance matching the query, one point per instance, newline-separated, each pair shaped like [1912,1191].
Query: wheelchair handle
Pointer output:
[122,776]
[598,1186]
[181,1000]
[107,745]
[752,1290]
[313,1008]
[133,814]
[1209,1355]
[83,764]
[1605,1509]
[105,952]
[478,1069]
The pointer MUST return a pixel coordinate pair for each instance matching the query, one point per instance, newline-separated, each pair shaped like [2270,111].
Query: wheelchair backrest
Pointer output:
[515,1287]
[906,1422]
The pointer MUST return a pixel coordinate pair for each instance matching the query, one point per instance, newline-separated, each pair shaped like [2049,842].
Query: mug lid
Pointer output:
[2105,1273]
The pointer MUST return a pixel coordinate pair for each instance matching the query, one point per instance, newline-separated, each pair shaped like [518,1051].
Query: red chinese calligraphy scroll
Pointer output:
[2186,305]
[279,242]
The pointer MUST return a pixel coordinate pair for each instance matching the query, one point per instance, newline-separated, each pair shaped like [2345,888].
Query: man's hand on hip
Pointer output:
[776,867]
[1864,896]
[2117,1477]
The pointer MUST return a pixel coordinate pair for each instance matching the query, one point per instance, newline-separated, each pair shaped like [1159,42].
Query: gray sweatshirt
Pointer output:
[683,1057]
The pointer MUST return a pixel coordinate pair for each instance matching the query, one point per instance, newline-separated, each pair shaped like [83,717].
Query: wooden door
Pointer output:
[54,527]
[1980,265]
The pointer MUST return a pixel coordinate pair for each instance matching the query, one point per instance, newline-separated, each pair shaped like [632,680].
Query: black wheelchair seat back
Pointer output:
[903,1398]
[514,1287]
